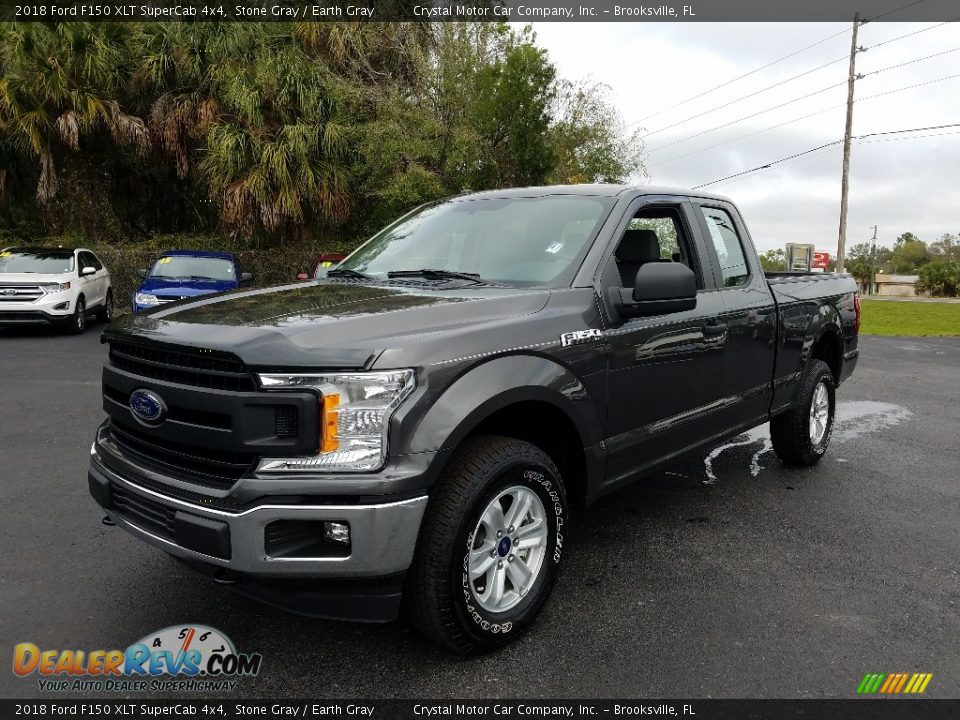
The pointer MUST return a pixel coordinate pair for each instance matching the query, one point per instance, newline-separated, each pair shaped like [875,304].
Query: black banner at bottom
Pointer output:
[848,709]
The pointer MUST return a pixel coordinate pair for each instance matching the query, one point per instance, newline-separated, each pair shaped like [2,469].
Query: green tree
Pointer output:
[773,260]
[940,277]
[590,141]
[909,254]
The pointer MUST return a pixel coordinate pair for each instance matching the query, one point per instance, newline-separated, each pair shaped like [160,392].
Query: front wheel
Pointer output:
[801,435]
[490,548]
[105,311]
[77,322]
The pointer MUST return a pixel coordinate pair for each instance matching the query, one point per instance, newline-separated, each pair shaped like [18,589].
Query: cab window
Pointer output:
[653,235]
[727,245]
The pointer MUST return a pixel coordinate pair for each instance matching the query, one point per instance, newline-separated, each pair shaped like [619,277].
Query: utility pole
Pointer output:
[845,182]
[873,261]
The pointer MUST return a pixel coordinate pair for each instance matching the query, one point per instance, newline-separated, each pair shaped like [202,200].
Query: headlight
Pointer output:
[145,299]
[53,288]
[355,410]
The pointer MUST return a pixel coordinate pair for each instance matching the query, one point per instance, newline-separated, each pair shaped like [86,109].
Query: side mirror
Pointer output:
[302,276]
[660,288]
[246,277]
[142,272]
[88,270]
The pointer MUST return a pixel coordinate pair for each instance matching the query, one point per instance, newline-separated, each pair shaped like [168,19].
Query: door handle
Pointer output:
[714,329]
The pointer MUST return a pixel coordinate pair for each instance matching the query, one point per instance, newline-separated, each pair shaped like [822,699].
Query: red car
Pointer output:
[320,267]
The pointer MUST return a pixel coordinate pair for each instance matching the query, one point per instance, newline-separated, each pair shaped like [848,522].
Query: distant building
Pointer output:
[895,285]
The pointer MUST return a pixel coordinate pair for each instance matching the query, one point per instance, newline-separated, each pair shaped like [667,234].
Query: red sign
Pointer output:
[821,260]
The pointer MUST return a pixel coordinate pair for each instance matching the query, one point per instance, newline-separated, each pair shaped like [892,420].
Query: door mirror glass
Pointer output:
[246,277]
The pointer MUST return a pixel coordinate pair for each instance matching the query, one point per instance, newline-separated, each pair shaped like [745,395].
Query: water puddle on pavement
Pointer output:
[853,419]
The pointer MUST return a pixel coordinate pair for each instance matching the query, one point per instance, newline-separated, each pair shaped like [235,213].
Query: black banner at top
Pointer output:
[480,10]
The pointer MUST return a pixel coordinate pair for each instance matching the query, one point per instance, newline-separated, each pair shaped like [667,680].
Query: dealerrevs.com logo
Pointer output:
[178,658]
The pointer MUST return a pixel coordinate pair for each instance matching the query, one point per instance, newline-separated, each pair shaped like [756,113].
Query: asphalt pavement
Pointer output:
[734,577]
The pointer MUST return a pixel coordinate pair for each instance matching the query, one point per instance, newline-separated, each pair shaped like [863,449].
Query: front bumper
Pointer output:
[52,309]
[233,545]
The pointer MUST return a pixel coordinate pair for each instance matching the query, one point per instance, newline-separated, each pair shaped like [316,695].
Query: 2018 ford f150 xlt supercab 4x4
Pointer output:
[411,429]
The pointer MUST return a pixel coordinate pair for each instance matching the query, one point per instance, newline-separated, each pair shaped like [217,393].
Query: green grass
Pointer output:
[923,319]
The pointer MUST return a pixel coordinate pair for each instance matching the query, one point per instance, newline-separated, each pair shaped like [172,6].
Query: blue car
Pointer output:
[180,274]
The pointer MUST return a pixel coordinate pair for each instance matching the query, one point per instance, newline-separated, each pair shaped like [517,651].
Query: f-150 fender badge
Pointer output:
[578,337]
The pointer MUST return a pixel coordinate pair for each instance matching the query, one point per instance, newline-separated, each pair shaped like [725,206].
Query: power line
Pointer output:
[745,97]
[765,166]
[741,77]
[798,155]
[798,76]
[789,80]
[798,99]
[748,117]
[791,122]
[895,10]
[781,59]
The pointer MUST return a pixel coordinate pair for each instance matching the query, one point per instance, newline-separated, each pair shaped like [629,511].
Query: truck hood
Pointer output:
[36,278]
[326,324]
[178,288]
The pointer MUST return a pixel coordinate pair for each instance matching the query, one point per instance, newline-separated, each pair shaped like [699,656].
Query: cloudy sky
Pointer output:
[899,184]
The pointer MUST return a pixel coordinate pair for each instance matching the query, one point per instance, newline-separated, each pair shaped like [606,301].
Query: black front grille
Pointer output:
[142,512]
[22,316]
[212,468]
[286,422]
[185,366]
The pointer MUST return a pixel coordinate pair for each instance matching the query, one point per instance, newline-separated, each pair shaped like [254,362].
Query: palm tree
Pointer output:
[60,84]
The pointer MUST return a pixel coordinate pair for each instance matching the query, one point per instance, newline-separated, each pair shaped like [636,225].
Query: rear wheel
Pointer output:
[490,547]
[801,435]
[105,311]
[78,321]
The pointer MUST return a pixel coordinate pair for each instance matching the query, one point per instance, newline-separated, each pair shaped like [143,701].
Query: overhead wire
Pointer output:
[798,119]
[803,153]
[788,80]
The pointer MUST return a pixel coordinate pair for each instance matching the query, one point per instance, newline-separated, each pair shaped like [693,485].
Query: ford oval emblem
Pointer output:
[147,407]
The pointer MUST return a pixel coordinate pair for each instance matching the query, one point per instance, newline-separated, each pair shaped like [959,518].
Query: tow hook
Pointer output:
[108,522]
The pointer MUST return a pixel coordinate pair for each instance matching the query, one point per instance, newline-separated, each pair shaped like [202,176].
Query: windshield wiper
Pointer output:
[348,272]
[430,274]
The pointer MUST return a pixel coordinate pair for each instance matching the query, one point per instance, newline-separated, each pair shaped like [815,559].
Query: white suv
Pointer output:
[53,285]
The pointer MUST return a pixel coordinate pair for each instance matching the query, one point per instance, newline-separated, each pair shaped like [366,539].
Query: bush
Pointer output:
[940,278]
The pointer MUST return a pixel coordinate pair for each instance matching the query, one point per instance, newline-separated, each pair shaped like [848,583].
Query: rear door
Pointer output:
[663,393]
[749,313]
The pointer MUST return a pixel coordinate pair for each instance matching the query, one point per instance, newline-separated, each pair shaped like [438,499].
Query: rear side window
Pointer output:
[726,243]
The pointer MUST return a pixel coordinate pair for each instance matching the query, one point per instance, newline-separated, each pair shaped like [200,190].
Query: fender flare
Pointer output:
[492,385]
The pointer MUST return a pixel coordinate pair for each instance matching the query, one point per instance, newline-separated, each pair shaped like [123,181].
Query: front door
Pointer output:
[663,380]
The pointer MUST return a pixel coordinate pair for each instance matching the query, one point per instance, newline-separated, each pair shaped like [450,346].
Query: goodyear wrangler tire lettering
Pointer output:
[489,549]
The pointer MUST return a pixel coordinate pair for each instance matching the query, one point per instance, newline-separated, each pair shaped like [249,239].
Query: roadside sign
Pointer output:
[821,260]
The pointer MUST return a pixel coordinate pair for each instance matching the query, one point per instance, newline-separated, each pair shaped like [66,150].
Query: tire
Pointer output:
[440,597]
[798,438]
[78,321]
[105,311]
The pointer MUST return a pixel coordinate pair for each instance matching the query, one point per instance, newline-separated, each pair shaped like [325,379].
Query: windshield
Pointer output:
[195,268]
[516,241]
[48,262]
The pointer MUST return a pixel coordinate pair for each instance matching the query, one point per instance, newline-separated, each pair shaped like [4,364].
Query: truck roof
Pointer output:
[597,189]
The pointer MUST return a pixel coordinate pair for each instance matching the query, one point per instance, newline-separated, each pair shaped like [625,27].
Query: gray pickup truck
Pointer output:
[410,431]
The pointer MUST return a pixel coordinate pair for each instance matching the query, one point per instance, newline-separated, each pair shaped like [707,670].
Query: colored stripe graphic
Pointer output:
[894,683]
